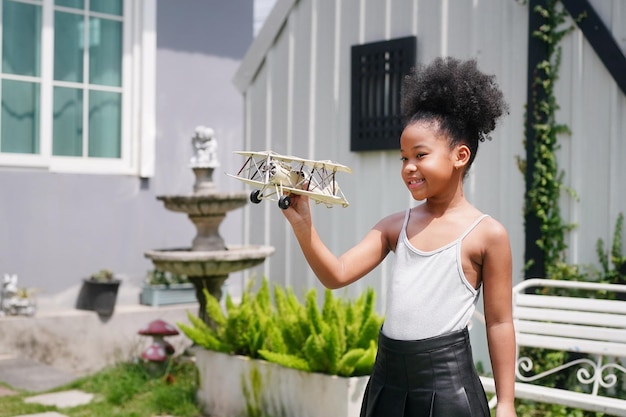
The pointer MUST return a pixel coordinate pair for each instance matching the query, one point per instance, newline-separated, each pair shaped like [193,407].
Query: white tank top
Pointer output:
[428,292]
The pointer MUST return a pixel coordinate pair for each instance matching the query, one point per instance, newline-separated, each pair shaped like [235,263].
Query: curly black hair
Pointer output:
[465,102]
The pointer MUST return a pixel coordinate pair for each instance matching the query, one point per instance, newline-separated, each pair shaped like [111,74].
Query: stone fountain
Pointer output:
[209,261]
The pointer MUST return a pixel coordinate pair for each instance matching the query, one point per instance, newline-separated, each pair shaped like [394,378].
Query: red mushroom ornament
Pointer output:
[155,358]
[159,329]
[155,353]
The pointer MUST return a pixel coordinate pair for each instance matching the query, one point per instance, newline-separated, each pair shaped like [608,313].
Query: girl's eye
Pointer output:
[404,158]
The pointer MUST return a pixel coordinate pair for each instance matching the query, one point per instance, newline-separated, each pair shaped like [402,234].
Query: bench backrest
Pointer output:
[575,324]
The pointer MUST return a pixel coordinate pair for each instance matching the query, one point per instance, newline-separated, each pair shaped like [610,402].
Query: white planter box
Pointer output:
[160,295]
[226,389]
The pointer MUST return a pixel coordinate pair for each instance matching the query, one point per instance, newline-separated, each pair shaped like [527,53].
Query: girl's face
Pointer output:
[429,165]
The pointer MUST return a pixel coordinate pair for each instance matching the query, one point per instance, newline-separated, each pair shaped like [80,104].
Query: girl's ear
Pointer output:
[463,154]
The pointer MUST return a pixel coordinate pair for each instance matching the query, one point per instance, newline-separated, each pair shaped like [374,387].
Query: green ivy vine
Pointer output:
[543,195]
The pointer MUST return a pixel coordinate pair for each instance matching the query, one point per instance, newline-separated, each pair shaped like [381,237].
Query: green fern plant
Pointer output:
[613,262]
[338,339]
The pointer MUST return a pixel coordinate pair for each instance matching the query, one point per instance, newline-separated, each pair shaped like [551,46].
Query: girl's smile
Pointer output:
[414,183]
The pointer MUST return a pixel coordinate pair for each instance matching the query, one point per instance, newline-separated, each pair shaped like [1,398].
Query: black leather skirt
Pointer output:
[432,377]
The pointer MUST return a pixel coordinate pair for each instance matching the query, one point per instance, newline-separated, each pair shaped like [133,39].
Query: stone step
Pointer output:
[29,375]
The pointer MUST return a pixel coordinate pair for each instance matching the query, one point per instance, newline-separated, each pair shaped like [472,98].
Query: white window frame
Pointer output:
[138,102]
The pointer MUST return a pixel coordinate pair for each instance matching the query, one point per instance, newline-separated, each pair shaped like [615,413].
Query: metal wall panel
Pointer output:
[592,157]
[314,47]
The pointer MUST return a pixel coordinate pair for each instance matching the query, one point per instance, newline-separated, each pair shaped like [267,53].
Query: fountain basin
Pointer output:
[209,204]
[184,261]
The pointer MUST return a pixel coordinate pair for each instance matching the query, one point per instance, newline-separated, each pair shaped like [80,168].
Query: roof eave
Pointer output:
[262,43]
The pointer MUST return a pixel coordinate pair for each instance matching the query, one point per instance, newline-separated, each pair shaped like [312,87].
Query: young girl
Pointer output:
[445,249]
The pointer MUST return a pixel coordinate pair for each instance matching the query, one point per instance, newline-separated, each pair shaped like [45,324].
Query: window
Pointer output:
[377,71]
[69,85]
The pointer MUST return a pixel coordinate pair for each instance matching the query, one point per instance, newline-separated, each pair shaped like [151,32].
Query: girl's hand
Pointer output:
[299,212]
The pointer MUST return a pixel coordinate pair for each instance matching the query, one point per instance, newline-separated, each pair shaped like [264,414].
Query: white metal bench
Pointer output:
[595,326]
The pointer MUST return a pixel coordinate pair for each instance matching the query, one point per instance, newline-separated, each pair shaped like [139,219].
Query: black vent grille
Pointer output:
[377,71]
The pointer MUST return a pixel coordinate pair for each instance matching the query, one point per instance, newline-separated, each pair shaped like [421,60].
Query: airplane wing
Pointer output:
[327,164]
[253,183]
[261,153]
[323,164]
[318,197]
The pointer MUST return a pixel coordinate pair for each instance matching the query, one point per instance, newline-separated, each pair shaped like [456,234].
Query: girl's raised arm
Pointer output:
[332,271]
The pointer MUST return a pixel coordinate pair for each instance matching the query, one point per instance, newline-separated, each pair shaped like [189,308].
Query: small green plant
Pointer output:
[613,262]
[338,339]
[103,275]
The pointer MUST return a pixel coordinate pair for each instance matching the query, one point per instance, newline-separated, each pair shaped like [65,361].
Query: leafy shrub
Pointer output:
[338,339]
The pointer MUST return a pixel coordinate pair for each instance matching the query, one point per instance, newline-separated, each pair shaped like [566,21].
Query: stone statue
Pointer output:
[204,148]
[15,300]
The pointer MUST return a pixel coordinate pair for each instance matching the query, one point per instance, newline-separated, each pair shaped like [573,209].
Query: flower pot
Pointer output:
[234,385]
[98,296]
[159,295]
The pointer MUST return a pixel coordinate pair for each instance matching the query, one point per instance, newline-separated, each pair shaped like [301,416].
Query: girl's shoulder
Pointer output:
[487,240]
[483,222]
[493,231]
[488,233]
[393,221]
[390,228]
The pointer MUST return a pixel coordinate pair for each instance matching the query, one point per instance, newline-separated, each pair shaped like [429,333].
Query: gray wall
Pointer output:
[57,228]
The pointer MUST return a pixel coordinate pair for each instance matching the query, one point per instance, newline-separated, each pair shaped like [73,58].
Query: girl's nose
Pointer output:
[409,167]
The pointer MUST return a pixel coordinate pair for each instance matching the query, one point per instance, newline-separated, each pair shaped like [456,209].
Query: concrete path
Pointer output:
[28,375]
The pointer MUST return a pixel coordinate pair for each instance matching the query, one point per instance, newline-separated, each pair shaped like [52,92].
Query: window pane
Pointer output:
[105,124]
[107,6]
[67,130]
[76,4]
[69,38]
[20,117]
[21,38]
[105,52]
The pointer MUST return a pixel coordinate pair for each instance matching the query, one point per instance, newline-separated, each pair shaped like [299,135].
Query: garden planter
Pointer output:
[98,296]
[237,386]
[159,295]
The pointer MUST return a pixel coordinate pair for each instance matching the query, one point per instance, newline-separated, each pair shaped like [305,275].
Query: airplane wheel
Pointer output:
[284,202]
[254,196]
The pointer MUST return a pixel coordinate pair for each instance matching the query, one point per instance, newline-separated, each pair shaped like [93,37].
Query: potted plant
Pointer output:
[163,288]
[99,292]
[284,357]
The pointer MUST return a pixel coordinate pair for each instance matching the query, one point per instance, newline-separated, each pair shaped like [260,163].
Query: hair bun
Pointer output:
[457,90]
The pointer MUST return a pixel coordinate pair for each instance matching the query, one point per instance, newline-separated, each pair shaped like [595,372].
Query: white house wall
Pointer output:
[298,102]
[594,156]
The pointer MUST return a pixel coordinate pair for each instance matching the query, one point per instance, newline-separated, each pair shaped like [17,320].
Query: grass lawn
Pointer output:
[124,390]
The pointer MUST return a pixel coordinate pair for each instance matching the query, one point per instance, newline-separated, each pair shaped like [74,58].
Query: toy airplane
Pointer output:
[275,177]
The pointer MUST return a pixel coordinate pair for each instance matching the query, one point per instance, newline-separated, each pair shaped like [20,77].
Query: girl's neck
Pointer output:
[440,205]
[442,209]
